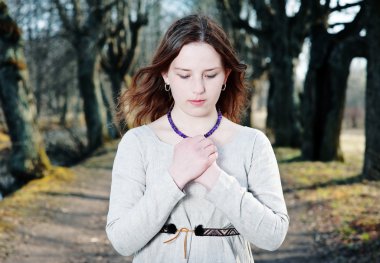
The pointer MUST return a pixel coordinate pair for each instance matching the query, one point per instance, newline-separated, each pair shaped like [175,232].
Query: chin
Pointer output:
[199,111]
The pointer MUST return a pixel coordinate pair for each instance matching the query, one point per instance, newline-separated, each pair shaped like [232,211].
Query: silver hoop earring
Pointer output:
[167,87]
[224,86]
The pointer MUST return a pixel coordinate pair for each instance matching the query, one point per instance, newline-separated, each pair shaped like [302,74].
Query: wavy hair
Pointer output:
[146,100]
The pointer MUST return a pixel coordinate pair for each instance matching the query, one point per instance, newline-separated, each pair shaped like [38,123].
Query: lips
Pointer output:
[197,102]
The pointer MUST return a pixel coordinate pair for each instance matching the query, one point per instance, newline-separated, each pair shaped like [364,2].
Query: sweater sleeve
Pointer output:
[259,213]
[136,212]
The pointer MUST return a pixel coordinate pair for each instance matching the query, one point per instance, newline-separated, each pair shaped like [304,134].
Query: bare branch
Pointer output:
[77,13]
[338,24]
[346,6]
[135,26]
[237,21]
[305,9]
[63,16]
[326,6]
[109,6]
[302,17]
[243,24]
[355,26]
[262,9]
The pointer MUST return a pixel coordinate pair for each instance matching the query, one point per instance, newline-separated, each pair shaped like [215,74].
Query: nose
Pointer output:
[198,86]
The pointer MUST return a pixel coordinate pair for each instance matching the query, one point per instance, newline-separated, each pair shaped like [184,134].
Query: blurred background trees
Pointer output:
[28,159]
[326,80]
[305,80]
[279,39]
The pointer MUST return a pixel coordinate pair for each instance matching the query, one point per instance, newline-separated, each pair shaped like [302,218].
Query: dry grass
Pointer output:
[344,210]
[4,141]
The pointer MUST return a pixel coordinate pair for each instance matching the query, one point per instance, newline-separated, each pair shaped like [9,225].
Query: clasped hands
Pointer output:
[194,159]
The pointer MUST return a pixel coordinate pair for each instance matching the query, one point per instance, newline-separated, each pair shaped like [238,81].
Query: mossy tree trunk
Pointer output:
[371,168]
[28,158]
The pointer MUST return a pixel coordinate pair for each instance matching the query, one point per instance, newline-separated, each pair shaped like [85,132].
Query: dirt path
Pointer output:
[299,243]
[69,226]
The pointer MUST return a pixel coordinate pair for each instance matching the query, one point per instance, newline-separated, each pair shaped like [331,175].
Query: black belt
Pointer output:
[200,231]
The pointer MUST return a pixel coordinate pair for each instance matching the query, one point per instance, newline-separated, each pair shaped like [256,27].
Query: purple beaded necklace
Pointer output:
[185,136]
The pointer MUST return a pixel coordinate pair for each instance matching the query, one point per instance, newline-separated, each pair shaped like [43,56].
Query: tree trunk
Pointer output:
[339,65]
[28,158]
[116,84]
[122,49]
[371,168]
[87,33]
[325,93]
[112,129]
[246,117]
[89,87]
[282,121]
[64,108]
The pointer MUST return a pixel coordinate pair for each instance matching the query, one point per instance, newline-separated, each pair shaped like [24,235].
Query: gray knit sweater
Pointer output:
[248,196]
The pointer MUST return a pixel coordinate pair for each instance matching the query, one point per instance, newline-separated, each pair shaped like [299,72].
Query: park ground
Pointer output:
[334,212]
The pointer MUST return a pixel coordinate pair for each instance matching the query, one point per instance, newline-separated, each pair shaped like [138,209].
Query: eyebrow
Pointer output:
[184,69]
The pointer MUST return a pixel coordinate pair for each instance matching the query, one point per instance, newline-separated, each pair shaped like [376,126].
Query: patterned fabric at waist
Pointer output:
[200,231]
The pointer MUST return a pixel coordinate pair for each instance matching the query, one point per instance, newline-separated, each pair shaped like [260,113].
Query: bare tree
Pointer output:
[250,52]
[122,43]
[51,60]
[86,27]
[326,81]
[28,159]
[121,46]
[280,38]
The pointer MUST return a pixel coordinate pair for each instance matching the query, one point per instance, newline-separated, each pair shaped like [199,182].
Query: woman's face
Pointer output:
[196,74]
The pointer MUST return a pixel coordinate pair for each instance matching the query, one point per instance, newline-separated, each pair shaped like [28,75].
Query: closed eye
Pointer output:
[183,76]
[211,76]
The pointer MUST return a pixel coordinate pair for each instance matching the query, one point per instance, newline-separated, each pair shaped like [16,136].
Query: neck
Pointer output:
[193,125]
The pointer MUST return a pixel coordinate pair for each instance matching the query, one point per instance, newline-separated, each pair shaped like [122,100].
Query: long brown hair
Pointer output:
[146,100]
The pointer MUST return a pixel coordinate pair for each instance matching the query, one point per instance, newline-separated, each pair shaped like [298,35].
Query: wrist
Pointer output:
[180,182]
[211,176]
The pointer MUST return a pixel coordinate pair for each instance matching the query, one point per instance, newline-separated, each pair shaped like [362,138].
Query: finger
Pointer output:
[210,149]
[205,143]
[213,157]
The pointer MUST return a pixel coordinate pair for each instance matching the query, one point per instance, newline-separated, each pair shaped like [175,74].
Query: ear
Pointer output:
[227,73]
[165,77]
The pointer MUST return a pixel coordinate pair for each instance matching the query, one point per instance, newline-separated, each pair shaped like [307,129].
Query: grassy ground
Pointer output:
[344,209]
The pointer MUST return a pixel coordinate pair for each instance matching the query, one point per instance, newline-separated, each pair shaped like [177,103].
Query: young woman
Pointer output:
[188,183]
